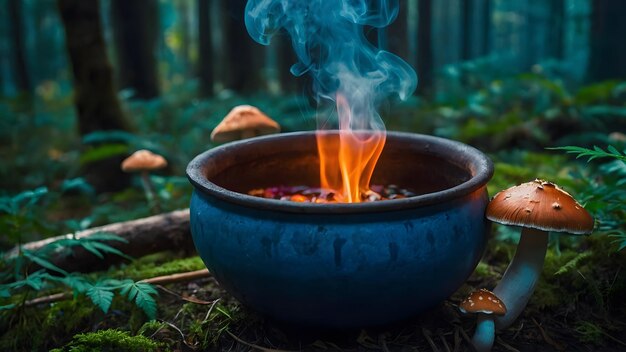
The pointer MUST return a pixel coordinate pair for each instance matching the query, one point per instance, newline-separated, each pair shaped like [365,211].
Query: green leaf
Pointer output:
[103,152]
[101,296]
[572,263]
[141,293]
[8,306]
[44,263]
[105,236]
[108,249]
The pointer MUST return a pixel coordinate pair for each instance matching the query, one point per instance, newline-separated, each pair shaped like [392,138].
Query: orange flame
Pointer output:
[347,162]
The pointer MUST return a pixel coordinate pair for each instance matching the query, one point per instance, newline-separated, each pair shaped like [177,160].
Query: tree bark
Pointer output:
[245,56]
[397,33]
[557,15]
[135,32]
[424,47]
[486,28]
[95,97]
[22,79]
[467,28]
[168,231]
[205,49]
[608,30]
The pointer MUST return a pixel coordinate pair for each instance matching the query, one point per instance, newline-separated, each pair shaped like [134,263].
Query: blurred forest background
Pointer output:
[151,66]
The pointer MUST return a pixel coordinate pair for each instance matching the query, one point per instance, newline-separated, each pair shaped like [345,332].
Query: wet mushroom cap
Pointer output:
[143,160]
[483,301]
[541,205]
[243,121]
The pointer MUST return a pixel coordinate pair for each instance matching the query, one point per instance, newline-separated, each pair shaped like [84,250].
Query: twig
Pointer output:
[547,338]
[178,277]
[426,334]
[506,345]
[465,336]
[383,343]
[260,348]
[180,332]
[48,299]
[445,343]
[158,280]
[184,298]
[457,339]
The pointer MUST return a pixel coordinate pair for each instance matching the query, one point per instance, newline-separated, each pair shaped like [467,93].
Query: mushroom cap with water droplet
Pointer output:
[541,205]
[483,301]
[143,160]
[241,122]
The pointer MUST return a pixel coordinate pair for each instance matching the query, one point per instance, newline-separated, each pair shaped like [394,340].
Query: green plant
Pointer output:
[604,194]
[110,340]
[29,271]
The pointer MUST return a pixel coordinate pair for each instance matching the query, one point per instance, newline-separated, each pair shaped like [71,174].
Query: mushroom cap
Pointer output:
[143,160]
[540,205]
[483,301]
[241,122]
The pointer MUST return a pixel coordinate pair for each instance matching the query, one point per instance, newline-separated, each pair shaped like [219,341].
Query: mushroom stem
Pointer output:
[484,334]
[149,191]
[520,278]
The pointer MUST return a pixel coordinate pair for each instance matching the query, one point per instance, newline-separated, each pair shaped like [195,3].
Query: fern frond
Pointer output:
[594,153]
[572,263]
[101,296]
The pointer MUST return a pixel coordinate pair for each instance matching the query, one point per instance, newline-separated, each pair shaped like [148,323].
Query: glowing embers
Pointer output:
[304,194]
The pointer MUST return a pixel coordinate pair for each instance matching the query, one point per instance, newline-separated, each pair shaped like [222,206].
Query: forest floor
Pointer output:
[578,304]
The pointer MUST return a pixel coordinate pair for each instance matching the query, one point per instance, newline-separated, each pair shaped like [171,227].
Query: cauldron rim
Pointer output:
[481,165]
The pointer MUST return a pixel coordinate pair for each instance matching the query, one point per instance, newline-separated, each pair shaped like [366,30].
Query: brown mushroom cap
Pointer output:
[143,160]
[541,205]
[483,301]
[243,121]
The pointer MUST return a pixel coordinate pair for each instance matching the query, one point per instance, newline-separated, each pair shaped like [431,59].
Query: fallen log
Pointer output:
[167,231]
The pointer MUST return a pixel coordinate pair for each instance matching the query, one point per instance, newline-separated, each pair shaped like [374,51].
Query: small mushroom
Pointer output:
[144,161]
[485,303]
[243,121]
[538,207]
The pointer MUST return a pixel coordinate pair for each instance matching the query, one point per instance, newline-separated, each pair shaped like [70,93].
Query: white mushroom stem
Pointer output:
[520,278]
[147,185]
[484,334]
[515,287]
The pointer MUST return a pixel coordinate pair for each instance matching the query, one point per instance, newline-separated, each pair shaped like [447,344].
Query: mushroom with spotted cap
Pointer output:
[486,303]
[538,207]
[243,121]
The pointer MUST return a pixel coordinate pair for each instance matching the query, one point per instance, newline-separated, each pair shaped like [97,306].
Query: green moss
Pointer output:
[155,265]
[110,340]
[589,332]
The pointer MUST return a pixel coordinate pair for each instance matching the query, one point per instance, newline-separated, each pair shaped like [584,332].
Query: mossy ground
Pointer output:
[577,306]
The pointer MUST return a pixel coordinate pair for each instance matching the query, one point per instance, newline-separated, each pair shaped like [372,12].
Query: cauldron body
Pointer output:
[340,265]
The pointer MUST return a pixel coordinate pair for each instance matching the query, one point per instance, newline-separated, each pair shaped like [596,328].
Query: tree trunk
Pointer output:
[397,33]
[205,49]
[135,30]
[96,101]
[22,80]
[245,56]
[467,9]
[486,28]
[424,47]
[557,15]
[608,30]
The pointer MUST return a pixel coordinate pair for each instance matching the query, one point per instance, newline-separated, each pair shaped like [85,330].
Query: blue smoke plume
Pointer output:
[327,37]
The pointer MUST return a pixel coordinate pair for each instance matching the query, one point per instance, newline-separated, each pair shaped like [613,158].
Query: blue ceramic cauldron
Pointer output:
[340,265]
